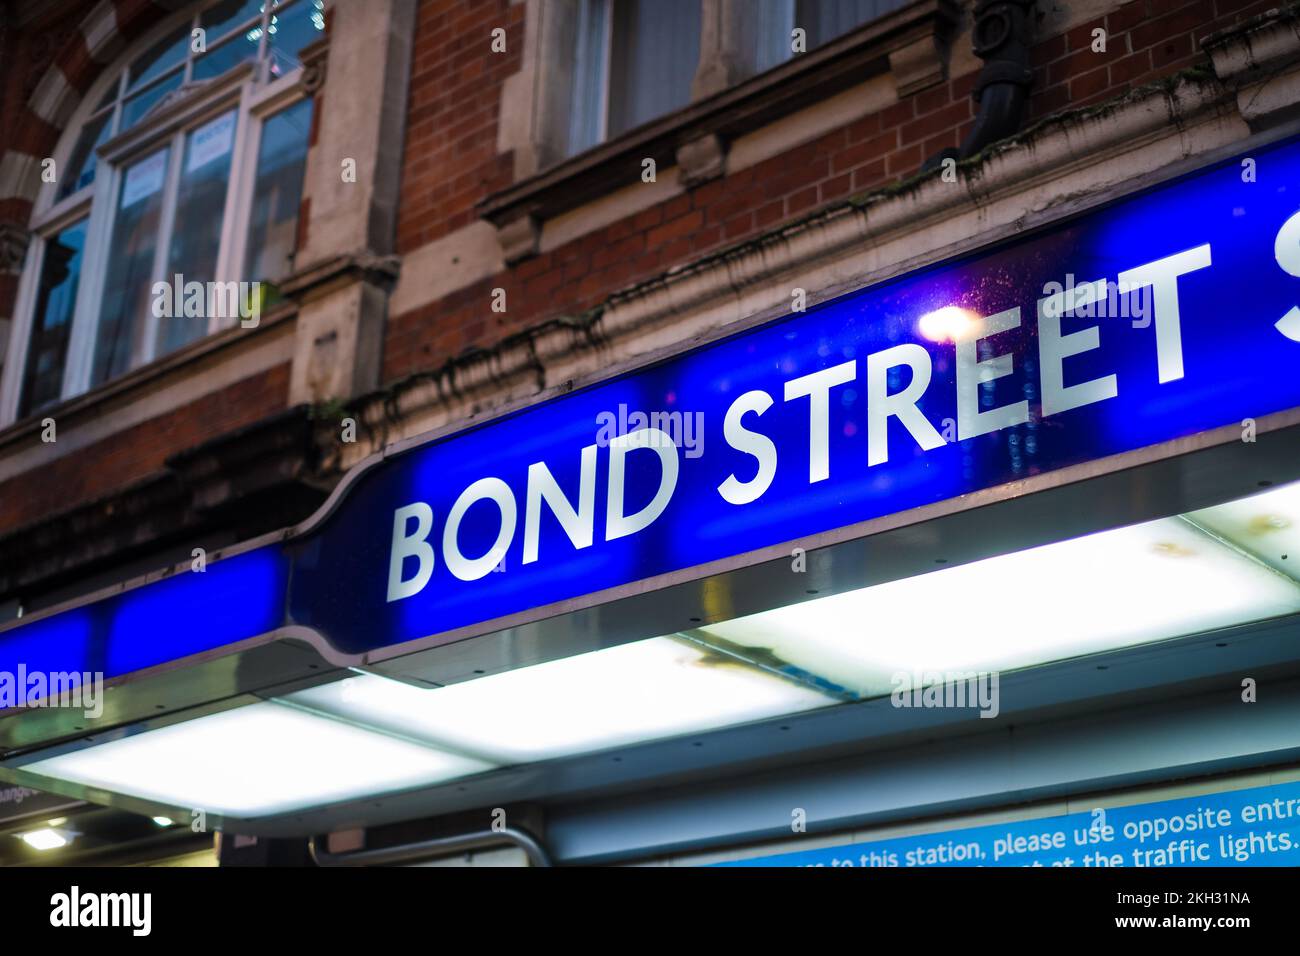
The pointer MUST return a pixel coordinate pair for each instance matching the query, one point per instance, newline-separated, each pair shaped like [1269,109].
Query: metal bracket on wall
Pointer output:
[1000,37]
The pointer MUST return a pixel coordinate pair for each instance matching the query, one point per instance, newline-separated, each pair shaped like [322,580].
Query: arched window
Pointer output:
[174,205]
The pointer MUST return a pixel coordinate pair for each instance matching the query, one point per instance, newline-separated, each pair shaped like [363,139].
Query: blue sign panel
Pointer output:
[1169,313]
[229,601]
[1256,827]
[1162,315]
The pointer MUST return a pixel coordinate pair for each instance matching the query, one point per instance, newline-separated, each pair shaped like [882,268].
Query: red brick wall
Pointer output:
[138,452]
[1147,39]
[53,39]
[450,159]
[451,163]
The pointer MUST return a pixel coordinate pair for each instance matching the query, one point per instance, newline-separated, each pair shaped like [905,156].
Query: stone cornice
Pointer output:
[1045,153]
[254,479]
[1258,45]
[318,278]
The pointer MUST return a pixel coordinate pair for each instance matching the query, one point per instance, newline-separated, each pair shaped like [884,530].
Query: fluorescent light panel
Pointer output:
[1097,593]
[1266,526]
[259,759]
[621,695]
[45,839]
[368,735]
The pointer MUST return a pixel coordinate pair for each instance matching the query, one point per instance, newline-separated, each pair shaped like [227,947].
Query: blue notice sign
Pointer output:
[1256,827]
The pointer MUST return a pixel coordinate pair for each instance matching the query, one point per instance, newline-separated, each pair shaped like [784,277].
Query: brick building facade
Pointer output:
[455,254]
[417,259]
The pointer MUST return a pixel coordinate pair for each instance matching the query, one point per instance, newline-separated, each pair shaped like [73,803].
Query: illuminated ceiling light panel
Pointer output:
[256,760]
[621,695]
[1266,525]
[1104,591]
[370,735]
[46,839]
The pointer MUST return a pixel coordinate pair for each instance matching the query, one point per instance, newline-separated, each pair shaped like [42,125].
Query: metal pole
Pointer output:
[536,853]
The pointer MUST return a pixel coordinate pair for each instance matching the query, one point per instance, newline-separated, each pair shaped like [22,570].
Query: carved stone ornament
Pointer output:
[314,57]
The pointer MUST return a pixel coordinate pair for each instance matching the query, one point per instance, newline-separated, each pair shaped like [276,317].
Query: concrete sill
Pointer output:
[138,381]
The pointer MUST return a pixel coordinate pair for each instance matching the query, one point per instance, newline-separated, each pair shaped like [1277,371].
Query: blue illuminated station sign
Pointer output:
[1168,313]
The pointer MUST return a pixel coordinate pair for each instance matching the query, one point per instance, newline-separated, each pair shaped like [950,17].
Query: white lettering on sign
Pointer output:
[1162,275]
[816,387]
[971,373]
[762,448]
[894,383]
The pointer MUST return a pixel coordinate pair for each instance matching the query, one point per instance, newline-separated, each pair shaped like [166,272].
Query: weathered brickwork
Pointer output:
[451,154]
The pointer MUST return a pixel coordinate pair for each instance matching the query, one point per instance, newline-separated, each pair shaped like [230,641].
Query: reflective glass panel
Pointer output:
[81,164]
[168,53]
[127,300]
[56,299]
[138,106]
[196,235]
[292,28]
[273,220]
[656,48]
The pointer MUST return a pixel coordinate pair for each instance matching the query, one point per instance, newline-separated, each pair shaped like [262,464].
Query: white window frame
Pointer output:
[244,89]
[585,121]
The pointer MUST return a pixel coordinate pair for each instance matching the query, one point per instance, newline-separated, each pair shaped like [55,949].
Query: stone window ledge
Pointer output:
[302,286]
[140,381]
[909,43]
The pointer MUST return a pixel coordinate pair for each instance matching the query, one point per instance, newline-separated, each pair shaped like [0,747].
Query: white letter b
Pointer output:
[413,545]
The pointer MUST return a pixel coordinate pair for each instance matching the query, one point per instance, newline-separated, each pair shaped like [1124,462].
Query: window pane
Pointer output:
[129,275]
[56,297]
[292,28]
[196,237]
[80,171]
[134,109]
[767,27]
[656,48]
[219,20]
[765,34]
[221,58]
[281,159]
[587,104]
[827,19]
[167,53]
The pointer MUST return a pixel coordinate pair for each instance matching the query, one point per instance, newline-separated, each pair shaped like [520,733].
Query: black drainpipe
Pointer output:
[1000,37]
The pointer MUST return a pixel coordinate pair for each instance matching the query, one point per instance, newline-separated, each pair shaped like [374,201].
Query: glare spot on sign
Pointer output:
[947,324]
